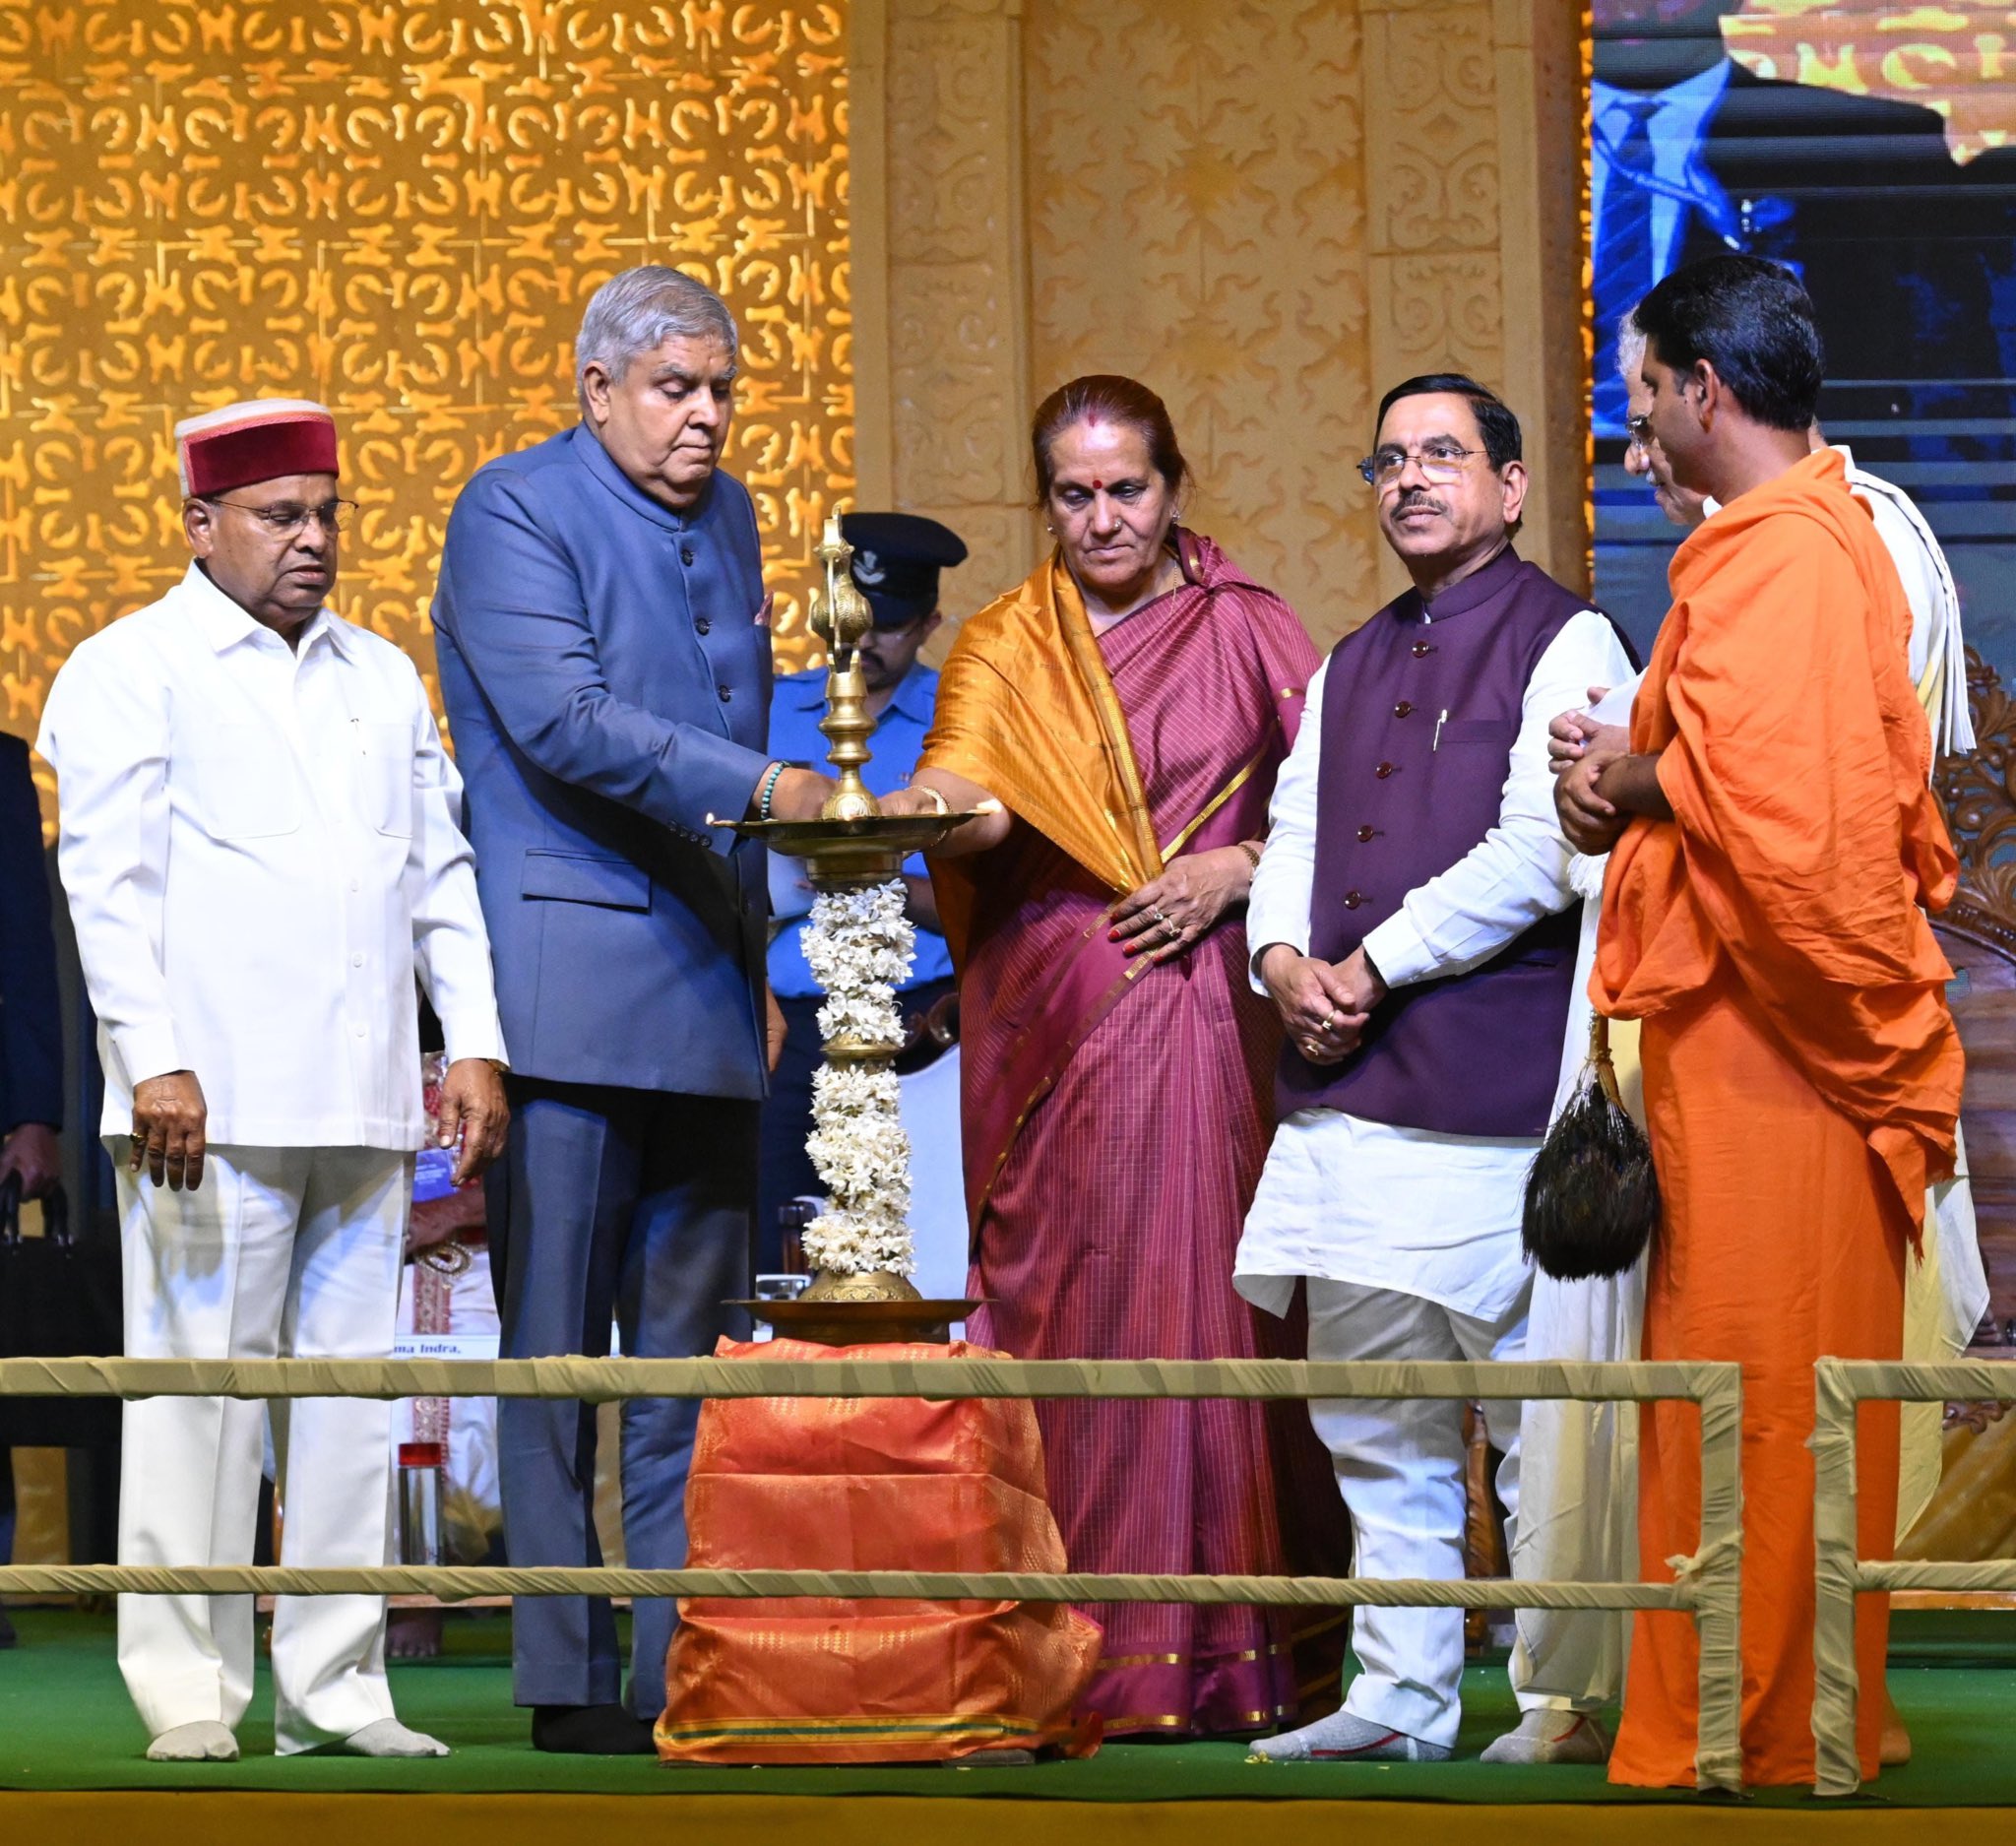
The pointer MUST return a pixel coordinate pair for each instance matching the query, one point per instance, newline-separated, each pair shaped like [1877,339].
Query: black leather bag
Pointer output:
[58,1299]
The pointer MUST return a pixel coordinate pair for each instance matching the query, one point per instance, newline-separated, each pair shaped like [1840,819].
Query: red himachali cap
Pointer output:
[261,439]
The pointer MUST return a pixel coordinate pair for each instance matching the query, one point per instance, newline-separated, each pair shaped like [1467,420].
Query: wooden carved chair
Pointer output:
[1977,932]
[1973,1513]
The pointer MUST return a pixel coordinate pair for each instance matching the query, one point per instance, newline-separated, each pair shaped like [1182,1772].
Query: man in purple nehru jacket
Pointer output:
[1413,919]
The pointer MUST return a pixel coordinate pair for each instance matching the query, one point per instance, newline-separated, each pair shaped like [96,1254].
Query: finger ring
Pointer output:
[1329,1020]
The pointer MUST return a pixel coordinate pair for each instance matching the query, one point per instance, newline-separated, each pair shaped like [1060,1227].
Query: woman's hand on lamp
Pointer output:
[912,800]
[940,792]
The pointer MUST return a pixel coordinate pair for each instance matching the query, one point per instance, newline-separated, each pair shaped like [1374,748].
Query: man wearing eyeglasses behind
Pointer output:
[261,843]
[1413,919]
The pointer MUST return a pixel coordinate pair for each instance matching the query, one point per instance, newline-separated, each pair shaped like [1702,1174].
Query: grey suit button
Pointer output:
[725,694]
[685,555]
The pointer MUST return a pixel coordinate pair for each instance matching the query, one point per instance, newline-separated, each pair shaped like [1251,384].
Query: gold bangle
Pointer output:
[1251,850]
[925,788]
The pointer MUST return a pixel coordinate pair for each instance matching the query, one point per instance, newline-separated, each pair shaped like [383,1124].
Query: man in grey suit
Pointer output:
[606,662]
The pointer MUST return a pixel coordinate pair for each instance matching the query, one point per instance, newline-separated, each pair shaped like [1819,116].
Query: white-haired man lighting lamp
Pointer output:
[604,657]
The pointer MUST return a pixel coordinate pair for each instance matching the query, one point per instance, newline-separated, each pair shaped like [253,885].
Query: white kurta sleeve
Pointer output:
[1278,905]
[1916,571]
[105,730]
[1938,649]
[450,945]
[1517,873]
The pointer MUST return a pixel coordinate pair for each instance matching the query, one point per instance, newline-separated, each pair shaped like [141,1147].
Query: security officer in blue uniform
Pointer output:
[896,564]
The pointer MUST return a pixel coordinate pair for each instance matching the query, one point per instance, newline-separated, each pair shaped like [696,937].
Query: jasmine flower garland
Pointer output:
[858,946]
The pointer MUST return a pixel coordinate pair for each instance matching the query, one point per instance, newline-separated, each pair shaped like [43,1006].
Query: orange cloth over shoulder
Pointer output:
[1026,708]
[1795,756]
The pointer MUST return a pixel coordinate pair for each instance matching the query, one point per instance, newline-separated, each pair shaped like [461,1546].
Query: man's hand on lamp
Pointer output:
[796,794]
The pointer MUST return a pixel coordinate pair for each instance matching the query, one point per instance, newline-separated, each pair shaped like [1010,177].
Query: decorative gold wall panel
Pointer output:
[399,209]
[1269,211]
[1198,219]
[944,366]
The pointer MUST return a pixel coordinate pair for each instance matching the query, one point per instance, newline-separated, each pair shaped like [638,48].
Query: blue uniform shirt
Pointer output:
[795,708]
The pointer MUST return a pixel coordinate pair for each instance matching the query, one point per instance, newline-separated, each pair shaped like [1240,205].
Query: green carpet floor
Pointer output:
[65,1724]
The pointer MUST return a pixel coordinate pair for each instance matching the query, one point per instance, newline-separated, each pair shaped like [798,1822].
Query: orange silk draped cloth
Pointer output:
[870,1484]
[1801,1070]
[1026,709]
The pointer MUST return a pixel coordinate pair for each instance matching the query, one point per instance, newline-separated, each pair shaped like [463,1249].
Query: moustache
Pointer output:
[1418,502]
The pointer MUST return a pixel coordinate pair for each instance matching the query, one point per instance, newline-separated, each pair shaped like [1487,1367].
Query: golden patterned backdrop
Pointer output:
[399,210]
[1198,219]
[1269,213]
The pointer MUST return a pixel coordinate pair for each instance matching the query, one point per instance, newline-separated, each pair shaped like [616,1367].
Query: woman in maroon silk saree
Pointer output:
[1117,1109]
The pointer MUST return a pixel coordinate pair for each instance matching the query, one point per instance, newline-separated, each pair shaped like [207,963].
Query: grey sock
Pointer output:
[1344,1737]
[205,1741]
[389,1737]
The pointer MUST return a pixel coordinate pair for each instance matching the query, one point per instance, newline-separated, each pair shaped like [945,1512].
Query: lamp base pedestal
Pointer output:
[861,1310]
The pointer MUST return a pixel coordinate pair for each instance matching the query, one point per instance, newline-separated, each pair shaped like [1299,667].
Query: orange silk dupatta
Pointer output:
[1026,710]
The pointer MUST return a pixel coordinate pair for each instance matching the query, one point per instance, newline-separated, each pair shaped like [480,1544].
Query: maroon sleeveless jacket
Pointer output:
[1475,1053]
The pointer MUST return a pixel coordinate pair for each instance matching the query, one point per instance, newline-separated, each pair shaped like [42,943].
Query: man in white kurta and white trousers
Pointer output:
[261,845]
[1413,919]
[1579,1515]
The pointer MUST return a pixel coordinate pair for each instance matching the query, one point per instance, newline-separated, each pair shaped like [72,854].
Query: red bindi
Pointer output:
[1098,486]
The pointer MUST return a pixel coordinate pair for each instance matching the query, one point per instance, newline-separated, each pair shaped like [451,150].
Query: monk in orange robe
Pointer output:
[1774,844]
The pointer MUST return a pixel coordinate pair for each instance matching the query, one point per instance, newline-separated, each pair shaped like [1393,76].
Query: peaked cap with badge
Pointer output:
[897,560]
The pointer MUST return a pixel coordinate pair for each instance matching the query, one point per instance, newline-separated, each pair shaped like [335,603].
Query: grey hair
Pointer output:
[1630,345]
[636,310]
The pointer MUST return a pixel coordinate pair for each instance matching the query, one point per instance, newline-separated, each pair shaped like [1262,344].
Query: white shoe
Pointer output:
[1548,1736]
